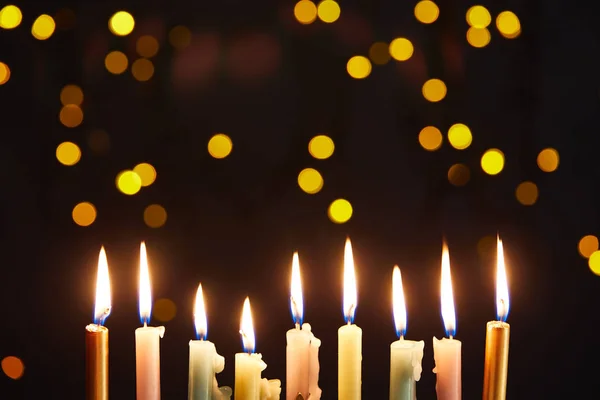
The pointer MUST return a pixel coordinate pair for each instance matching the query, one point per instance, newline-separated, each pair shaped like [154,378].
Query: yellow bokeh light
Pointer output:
[128,182]
[434,90]
[492,161]
[13,367]
[71,115]
[321,147]
[478,37]
[68,153]
[220,145]
[459,136]
[10,17]
[479,17]
[379,53]
[508,24]
[310,180]
[121,23]
[305,12]
[527,193]
[430,138]
[146,172]
[594,262]
[155,216]
[84,214]
[427,11]
[71,94]
[401,49]
[328,11]
[588,245]
[459,175]
[147,46]
[180,37]
[548,160]
[340,211]
[4,73]
[142,69]
[164,310]
[116,62]
[43,27]
[359,67]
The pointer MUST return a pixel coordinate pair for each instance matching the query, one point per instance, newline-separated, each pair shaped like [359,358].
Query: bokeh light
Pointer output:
[164,310]
[142,69]
[13,367]
[84,214]
[492,161]
[508,24]
[121,23]
[479,17]
[379,53]
[10,17]
[459,136]
[4,73]
[180,37]
[305,12]
[147,46]
[155,216]
[434,90]
[328,11]
[71,115]
[478,37]
[220,145]
[548,160]
[401,49]
[68,153]
[459,175]
[310,180]
[359,67]
[98,141]
[116,62]
[527,193]
[71,94]
[430,138]
[587,245]
[128,182]
[427,11]
[321,147]
[146,172]
[594,262]
[340,211]
[43,27]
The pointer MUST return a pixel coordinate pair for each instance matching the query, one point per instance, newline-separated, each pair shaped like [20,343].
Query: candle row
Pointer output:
[302,351]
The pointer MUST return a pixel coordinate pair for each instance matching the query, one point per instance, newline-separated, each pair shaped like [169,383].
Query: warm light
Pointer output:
[350,295]
[103,301]
[247,328]
[145,300]
[71,94]
[310,180]
[84,214]
[321,147]
[502,301]
[68,153]
[10,17]
[359,67]
[121,23]
[296,300]
[155,216]
[180,37]
[146,172]
[379,53]
[426,11]
[305,11]
[142,69]
[71,116]
[478,37]
[492,161]
[340,211]
[220,146]
[116,62]
[129,182]
[401,49]
[548,160]
[527,193]
[147,46]
[479,17]
[434,90]
[459,136]
[399,303]
[43,27]
[4,73]
[200,315]
[448,313]
[430,138]
[459,175]
[508,24]
[588,245]
[328,11]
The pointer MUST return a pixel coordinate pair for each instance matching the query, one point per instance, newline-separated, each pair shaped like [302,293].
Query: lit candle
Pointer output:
[96,337]
[349,336]
[249,365]
[447,352]
[406,355]
[147,346]
[204,360]
[497,337]
[302,351]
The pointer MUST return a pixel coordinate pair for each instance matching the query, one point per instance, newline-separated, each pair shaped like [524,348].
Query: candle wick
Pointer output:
[401,337]
[145,324]
[297,325]
[450,336]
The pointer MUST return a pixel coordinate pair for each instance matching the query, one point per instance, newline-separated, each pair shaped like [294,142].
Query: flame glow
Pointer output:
[145,299]
[200,315]
[103,296]
[350,295]
[247,328]
[447,297]
[502,298]
[296,300]
[399,302]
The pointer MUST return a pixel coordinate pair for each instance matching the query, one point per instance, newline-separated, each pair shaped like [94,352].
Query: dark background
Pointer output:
[234,223]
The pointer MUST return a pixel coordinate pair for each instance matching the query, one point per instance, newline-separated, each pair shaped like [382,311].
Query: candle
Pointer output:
[447,352]
[497,337]
[249,365]
[96,337]
[302,351]
[147,346]
[204,360]
[349,336]
[406,355]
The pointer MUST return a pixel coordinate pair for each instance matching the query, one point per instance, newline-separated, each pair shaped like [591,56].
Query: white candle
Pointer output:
[302,351]
[147,346]
[349,336]
[447,352]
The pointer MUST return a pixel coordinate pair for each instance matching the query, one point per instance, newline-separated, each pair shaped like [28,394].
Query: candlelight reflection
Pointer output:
[447,297]
[502,298]
[350,295]
[103,295]
[145,296]
[296,300]
[399,303]
[247,328]
[200,315]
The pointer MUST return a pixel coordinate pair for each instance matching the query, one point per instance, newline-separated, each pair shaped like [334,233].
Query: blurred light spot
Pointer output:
[508,24]
[587,245]
[128,182]
[321,147]
[180,37]
[478,37]
[155,216]
[121,23]
[84,214]
[164,310]
[328,11]
[65,19]
[220,145]
[459,175]
[379,53]
[310,180]
[430,138]
[68,153]
[459,136]
[71,94]
[359,67]
[116,62]
[479,17]
[71,116]
[340,211]
[305,11]
[4,73]
[426,11]
[13,367]
[527,193]
[594,262]
[10,17]
[486,246]
[98,141]
[434,90]
[142,69]
[548,160]
[401,49]
[492,161]
[147,46]
[146,172]
[43,27]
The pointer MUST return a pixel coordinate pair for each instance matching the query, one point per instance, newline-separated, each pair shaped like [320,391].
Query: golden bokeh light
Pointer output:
[10,17]
[164,310]
[68,153]
[459,175]
[310,180]
[321,147]
[305,12]
[142,69]
[427,11]
[594,262]
[340,211]
[84,214]
[588,245]
[430,138]
[128,182]
[116,62]
[71,94]
[121,23]
[328,11]
[4,73]
[147,46]
[220,145]
[180,37]
[527,193]
[155,216]
[359,67]
[71,115]
[478,37]
[98,141]
[379,53]
[434,90]
[401,49]
[13,367]
[479,17]
[492,161]
[43,27]
[146,172]
[548,160]
[508,24]
[459,136]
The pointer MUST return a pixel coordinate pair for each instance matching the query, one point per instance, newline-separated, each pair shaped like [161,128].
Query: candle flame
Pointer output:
[447,297]
[145,295]
[296,300]
[200,315]
[247,328]
[103,295]
[502,298]
[350,295]
[399,302]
